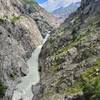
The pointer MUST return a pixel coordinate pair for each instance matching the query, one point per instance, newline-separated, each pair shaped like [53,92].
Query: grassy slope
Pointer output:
[89,80]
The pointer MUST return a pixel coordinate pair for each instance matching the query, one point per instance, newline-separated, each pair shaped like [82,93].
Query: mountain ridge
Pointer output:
[63,12]
[70,59]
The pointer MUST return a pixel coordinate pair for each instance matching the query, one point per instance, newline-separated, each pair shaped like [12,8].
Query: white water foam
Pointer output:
[24,89]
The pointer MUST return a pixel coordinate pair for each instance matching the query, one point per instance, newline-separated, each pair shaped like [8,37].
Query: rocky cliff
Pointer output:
[70,59]
[19,36]
[45,21]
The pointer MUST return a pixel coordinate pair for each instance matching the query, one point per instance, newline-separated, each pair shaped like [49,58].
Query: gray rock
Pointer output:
[70,51]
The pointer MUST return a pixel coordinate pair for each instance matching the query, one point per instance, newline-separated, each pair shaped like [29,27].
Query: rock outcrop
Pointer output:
[19,36]
[70,59]
[45,21]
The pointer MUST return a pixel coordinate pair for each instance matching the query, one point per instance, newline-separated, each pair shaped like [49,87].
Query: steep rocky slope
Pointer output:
[19,36]
[45,21]
[70,59]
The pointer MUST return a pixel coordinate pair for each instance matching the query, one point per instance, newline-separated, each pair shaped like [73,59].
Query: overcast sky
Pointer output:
[51,5]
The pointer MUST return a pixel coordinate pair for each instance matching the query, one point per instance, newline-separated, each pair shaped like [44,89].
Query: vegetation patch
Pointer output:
[49,93]
[13,76]
[15,18]
[61,52]
[74,89]
[1,19]
[32,4]
[53,69]
[2,89]
[89,83]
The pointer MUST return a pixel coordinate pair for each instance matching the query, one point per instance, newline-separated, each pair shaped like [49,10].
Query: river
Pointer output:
[24,89]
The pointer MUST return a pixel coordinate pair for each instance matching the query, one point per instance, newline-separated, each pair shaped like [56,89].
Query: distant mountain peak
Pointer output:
[63,12]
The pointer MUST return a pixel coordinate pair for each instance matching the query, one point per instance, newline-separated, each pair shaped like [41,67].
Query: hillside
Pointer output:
[20,34]
[46,22]
[69,63]
[63,12]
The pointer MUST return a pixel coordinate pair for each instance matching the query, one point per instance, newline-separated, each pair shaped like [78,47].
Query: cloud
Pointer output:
[51,5]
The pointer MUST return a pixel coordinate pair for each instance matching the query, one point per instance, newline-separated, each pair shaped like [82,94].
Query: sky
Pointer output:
[41,1]
[51,5]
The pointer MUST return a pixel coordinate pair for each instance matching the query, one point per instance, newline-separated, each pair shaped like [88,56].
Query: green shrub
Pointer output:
[15,18]
[2,89]
[89,83]
[90,80]
[1,19]
[13,76]
[92,88]
[97,89]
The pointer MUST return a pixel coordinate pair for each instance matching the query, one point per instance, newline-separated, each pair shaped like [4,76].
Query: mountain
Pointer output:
[63,12]
[69,62]
[46,22]
[22,24]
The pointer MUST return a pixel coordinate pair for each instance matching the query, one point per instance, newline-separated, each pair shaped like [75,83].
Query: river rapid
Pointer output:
[24,89]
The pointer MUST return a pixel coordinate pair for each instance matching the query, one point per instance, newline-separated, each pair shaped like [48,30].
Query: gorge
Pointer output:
[21,23]
[65,65]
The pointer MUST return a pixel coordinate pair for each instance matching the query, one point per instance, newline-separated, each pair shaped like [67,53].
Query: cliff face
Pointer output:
[70,59]
[19,36]
[45,21]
